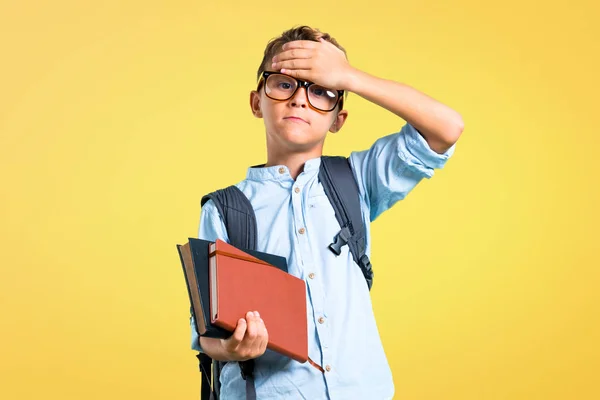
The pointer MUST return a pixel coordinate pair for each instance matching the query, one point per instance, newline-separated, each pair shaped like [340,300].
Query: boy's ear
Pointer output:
[255,104]
[339,121]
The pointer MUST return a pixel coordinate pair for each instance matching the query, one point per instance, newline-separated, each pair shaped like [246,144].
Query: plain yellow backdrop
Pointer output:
[117,116]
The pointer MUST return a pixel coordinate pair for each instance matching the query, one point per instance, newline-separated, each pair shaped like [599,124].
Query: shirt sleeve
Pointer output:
[211,228]
[393,166]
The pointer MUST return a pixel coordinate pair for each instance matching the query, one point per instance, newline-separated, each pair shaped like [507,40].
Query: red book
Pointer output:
[242,283]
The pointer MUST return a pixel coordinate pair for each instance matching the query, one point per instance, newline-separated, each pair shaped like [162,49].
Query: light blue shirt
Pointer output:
[342,333]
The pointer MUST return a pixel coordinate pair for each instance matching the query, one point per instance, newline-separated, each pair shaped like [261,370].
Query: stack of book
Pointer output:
[225,282]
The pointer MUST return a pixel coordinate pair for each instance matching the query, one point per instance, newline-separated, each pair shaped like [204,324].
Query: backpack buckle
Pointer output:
[365,263]
[367,269]
[340,240]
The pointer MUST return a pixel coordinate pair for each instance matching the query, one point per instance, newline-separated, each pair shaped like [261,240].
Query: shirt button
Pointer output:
[311,275]
[328,367]
[281,170]
[297,189]
[301,231]
[321,320]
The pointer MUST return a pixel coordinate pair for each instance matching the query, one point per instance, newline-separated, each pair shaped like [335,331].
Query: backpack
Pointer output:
[340,186]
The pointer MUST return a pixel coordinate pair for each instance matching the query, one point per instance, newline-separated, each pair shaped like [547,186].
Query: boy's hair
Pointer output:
[298,33]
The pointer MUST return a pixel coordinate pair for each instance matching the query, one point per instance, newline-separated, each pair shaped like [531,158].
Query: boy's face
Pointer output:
[294,125]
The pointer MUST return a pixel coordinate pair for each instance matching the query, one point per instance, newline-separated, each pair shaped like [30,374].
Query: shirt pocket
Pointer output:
[322,211]
[319,201]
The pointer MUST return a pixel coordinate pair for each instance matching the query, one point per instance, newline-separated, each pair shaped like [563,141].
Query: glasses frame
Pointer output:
[301,83]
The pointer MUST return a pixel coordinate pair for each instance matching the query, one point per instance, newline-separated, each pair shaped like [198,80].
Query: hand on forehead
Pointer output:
[321,62]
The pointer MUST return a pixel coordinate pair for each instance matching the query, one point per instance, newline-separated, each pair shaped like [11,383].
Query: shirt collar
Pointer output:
[280,172]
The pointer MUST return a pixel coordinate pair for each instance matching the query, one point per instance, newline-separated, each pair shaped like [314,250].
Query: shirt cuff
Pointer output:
[415,151]
[195,338]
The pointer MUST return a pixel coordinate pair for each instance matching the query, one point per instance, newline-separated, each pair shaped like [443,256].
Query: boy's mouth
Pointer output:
[297,119]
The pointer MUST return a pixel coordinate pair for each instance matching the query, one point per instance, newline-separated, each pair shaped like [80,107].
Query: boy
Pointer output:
[296,220]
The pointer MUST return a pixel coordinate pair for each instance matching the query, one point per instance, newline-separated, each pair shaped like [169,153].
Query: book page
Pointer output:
[213,282]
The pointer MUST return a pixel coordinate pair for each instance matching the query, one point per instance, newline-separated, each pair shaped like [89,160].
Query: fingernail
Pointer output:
[256,314]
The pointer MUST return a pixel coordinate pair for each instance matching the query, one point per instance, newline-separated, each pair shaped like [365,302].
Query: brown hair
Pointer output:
[297,33]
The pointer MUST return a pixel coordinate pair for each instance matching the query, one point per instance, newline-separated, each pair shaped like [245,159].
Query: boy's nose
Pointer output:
[299,98]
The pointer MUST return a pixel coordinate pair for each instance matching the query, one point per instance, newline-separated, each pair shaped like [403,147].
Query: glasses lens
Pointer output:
[322,98]
[280,87]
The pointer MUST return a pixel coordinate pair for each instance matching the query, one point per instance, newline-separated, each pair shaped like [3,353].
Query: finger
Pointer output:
[251,331]
[293,53]
[299,44]
[262,338]
[298,73]
[256,345]
[238,335]
[265,337]
[297,63]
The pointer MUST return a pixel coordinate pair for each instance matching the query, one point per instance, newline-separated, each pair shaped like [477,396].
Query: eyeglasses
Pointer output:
[279,86]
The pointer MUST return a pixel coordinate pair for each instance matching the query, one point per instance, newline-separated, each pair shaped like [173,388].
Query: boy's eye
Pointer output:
[318,91]
[285,85]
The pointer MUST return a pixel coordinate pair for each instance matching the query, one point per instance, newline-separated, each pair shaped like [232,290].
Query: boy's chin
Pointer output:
[302,139]
[300,135]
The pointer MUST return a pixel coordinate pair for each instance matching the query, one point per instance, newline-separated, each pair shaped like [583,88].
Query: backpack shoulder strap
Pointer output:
[341,189]
[240,223]
[238,215]
[205,364]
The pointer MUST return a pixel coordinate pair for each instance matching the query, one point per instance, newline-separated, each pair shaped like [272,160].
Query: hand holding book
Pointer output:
[249,340]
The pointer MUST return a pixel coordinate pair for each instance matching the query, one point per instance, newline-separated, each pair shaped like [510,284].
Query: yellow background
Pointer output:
[114,123]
